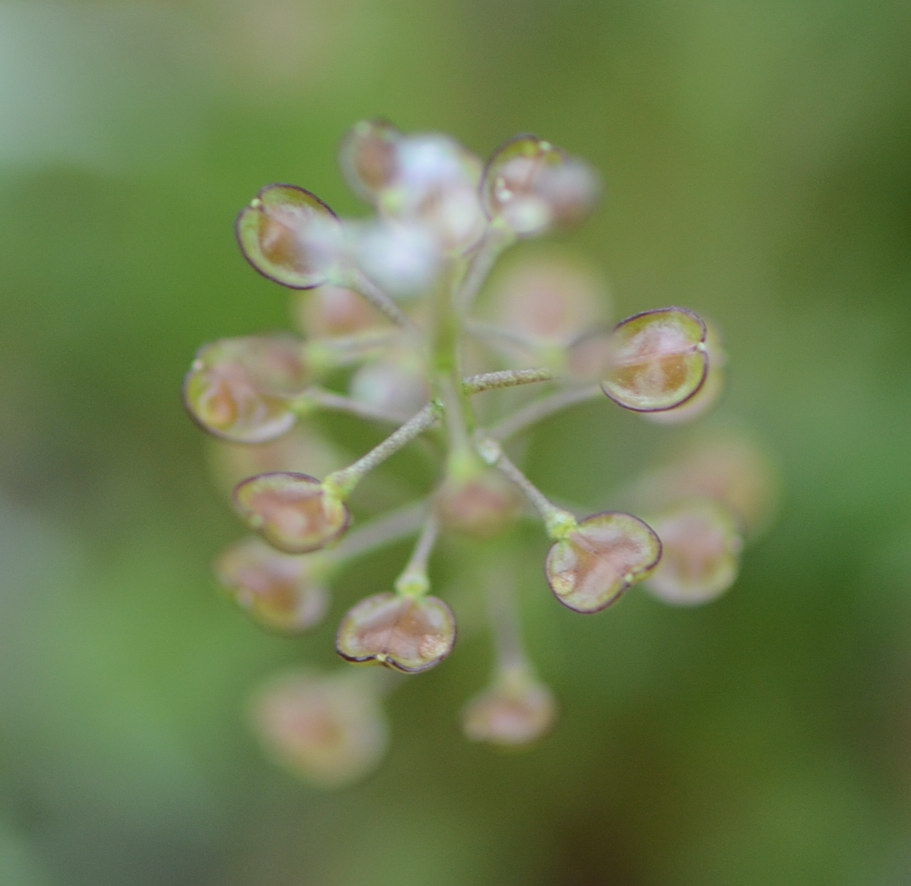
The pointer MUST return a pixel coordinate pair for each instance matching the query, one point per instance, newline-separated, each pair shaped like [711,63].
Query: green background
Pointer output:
[756,157]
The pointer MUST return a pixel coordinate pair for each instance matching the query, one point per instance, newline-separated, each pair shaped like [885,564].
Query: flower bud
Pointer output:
[368,157]
[727,467]
[293,512]
[290,236]
[330,731]
[334,312]
[517,710]
[530,186]
[700,553]
[240,389]
[279,590]
[656,360]
[480,507]
[549,299]
[435,188]
[606,554]
[408,634]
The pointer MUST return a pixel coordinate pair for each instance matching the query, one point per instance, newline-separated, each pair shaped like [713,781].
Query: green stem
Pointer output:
[414,581]
[534,412]
[482,260]
[506,339]
[506,378]
[341,483]
[503,607]
[461,458]
[331,353]
[559,523]
[447,372]
[320,398]
[382,531]
[381,301]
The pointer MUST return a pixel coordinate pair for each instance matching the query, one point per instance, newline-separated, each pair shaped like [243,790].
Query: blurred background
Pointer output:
[756,157]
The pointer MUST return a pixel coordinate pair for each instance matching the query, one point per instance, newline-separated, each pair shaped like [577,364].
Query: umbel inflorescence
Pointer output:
[401,329]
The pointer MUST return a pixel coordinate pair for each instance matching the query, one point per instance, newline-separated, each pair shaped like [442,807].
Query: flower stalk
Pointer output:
[340,484]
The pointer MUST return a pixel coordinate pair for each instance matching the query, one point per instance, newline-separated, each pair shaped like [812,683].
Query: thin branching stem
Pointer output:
[481,262]
[383,302]
[332,402]
[532,413]
[505,339]
[506,378]
[382,531]
[502,604]
[348,349]
[343,482]
[557,521]
[414,581]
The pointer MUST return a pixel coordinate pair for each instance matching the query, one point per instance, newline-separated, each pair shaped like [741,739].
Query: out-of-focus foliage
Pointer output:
[755,160]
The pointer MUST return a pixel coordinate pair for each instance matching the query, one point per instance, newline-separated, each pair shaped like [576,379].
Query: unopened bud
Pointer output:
[656,360]
[290,236]
[606,554]
[281,591]
[700,553]
[368,157]
[530,186]
[481,507]
[727,467]
[330,731]
[334,312]
[435,187]
[240,389]
[549,298]
[517,710]
[291,511]
[406,633]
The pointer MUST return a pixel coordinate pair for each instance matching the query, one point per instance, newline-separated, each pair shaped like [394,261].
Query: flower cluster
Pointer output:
[402,326]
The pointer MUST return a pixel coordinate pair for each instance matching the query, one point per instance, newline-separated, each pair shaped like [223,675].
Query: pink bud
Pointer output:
[409,634]
[281,591]
[368,157]
[290,236]
[549,298]
[481,507]
[725,466]
[328,730]
[656,360]
[700,553]
[334,311]
[531,186]
[607,553]
[291,511]
[517,710]
[240,388]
